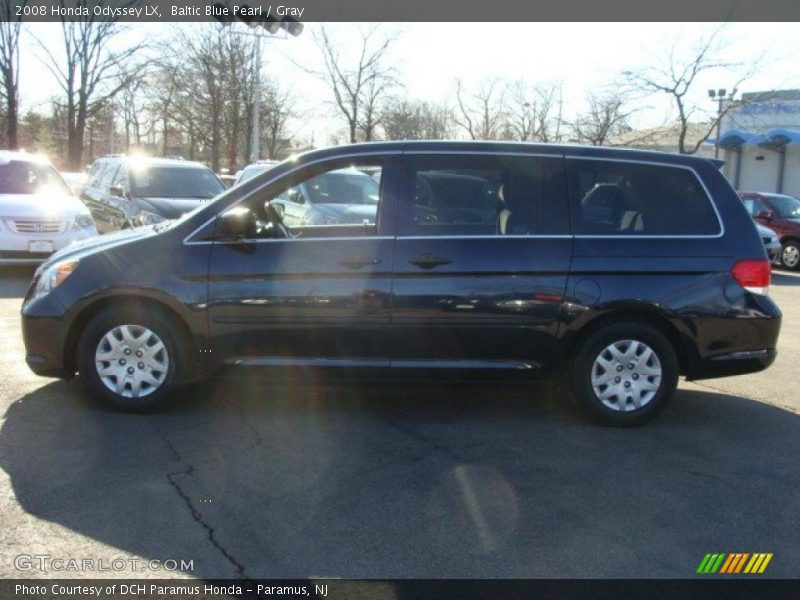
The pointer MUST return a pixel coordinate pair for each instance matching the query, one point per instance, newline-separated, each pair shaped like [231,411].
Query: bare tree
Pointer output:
[607,115]
[482,113]
[359,87]
[89,73]
[277,111]
[413,120]
[10,28]
[131,104]
[675,78]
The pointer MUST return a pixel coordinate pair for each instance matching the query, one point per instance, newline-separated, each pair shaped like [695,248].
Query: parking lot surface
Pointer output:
[252,475]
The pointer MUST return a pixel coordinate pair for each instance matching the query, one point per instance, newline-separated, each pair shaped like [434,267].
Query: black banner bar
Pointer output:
[709,588]
[404,11]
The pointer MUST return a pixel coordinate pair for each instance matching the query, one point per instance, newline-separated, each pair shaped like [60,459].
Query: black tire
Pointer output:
[108,320]
[790,255]
[582,365]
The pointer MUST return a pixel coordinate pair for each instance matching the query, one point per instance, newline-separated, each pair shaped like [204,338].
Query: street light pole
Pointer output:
[255,142]
[266,24]
[719,96]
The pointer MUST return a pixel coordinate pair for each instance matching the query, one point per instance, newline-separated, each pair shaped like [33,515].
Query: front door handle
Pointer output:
[429,261]
[358,263]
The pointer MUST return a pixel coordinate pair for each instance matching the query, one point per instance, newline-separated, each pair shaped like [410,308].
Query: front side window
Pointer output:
[25,177]
[174,182]
[323,202]
[787,207]
[485,195]
[625,198]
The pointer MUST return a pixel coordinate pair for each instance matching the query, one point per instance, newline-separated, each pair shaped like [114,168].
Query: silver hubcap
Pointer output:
[626,375]
[131,361]
[791,256]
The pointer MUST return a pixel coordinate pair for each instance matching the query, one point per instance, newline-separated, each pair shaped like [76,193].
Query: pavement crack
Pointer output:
[197,516]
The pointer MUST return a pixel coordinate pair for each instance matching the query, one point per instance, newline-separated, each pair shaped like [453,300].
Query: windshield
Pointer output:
[787,207]
[175,182]
[24,177]
[343,187]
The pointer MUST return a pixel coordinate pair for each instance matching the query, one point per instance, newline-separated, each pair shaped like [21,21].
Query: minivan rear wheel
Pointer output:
[129,359]
[624,373]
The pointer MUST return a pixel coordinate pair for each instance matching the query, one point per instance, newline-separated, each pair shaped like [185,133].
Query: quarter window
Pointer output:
[622,198]
[490,195]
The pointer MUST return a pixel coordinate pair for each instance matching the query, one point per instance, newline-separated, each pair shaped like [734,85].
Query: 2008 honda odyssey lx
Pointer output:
[615,271]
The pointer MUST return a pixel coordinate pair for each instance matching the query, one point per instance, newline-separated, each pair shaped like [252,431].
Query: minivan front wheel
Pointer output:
[790,254]
[129,359]
[624,373]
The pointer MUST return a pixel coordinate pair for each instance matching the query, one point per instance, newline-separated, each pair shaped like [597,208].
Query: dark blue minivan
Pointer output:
[613,271]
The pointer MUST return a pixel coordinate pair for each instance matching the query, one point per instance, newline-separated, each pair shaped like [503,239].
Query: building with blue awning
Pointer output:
[760,142]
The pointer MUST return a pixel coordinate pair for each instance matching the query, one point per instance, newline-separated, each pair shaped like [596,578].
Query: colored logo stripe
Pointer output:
[734,563]
[711,563]
[758,563]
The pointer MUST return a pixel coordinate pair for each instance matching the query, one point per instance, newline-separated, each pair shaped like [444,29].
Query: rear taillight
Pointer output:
[752,275]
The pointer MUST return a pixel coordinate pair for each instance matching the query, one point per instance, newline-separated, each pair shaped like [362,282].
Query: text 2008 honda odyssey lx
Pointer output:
[615,271]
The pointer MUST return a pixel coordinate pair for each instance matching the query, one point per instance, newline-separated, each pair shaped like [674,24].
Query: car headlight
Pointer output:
[83,222]
[148,218]
[52,277]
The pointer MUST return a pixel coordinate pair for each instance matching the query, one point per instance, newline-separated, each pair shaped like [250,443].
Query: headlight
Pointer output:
[52,277]
[148,218]
[83,222]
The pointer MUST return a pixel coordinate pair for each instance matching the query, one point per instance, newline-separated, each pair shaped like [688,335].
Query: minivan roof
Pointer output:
[609,152]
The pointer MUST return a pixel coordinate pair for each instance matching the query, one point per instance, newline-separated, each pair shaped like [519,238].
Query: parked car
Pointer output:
[772,243]
[123,192]
[38,213]
[343,196]
[252,170]
[75,180]
[614,271]
[227,180]
[781,213]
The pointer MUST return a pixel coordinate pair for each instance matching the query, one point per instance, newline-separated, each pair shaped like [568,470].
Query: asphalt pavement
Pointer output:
[252,475]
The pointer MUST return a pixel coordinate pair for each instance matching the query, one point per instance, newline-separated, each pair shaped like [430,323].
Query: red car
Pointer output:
[781,213]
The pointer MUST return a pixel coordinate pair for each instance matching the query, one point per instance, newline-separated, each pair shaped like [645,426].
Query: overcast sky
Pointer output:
[429,56]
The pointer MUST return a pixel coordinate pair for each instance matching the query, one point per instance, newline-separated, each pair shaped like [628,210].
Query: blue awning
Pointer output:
[775,137]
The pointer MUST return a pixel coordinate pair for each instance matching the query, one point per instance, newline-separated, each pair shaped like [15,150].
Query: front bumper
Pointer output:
[773,250]
[44,332]
[15,247]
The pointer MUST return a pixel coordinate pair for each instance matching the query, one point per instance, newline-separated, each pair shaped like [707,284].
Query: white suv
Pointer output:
[38,212]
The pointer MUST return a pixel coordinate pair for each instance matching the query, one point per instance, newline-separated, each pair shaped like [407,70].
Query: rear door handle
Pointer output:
[429,261]
[358,263]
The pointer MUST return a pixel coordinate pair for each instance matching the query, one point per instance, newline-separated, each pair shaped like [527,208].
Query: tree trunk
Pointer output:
[12,125]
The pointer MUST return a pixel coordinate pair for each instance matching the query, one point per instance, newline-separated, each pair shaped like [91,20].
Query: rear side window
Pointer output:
[624,198]
[485,195]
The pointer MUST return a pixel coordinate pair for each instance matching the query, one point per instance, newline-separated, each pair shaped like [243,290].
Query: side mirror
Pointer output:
[294,195]
[116,190]
[764,214]
[236,224]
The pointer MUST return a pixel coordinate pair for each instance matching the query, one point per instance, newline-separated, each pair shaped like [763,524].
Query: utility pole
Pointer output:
[261,25]
[255,142]
[720,96]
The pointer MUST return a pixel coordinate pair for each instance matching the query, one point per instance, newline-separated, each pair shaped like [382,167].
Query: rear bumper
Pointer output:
[733,363]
